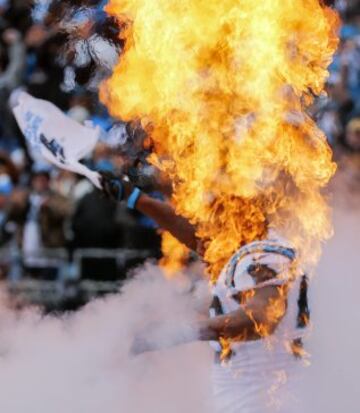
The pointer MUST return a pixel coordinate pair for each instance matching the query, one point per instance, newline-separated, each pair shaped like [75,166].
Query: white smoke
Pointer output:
[332,380]
[82,362]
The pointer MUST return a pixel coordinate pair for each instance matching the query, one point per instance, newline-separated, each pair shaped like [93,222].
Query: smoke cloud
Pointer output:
[82,362]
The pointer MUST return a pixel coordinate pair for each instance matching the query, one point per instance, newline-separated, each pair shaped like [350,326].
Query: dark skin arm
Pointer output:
[254,320]
[257,318]
[164,215]
[160,212]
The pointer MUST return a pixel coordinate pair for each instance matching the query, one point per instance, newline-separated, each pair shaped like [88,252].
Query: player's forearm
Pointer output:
[164,215]
[253,320]
[239,326]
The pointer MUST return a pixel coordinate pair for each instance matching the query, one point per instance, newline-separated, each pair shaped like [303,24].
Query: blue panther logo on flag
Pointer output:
[54,147]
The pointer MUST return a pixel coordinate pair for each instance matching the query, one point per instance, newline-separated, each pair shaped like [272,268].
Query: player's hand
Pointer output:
[114,187]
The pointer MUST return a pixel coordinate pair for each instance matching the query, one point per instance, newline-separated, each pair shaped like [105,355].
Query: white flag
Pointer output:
[60,140]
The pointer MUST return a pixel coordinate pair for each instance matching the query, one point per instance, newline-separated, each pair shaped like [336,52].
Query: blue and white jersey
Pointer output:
[261,373]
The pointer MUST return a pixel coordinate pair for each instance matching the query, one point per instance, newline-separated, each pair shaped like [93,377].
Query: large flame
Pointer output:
[223,88]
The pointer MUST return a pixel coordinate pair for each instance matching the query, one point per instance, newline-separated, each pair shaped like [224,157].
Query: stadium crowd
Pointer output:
[60,51]
[51,220]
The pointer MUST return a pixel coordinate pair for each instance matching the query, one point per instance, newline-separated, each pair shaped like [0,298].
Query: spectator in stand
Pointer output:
[349,156]
[342,103]
[39,215]
[8,167]
[352,135]
[94,223]
[6,188]
[11,77]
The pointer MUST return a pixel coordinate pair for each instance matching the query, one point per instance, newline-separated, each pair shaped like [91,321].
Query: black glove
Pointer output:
[114,187]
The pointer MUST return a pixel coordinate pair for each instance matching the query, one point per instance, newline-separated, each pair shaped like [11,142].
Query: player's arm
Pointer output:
[161,212]
[164,215]
[257,318]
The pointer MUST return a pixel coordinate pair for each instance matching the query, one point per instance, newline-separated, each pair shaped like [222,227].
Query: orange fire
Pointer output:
[223,90]
[175,254]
